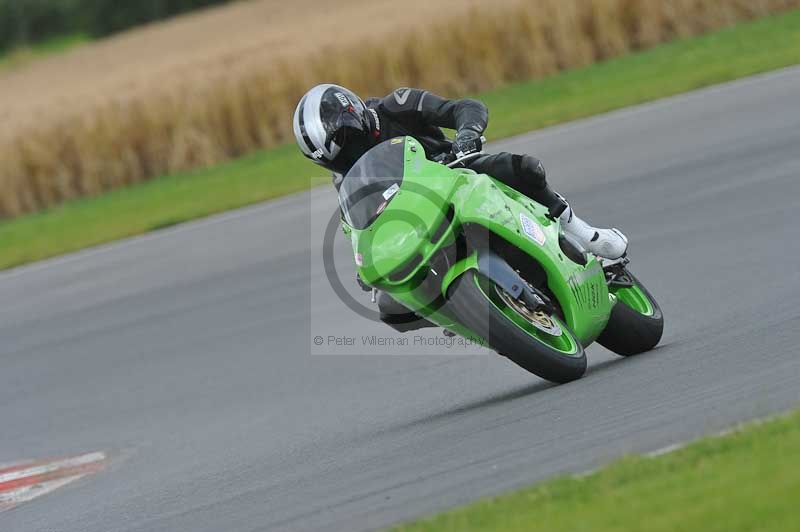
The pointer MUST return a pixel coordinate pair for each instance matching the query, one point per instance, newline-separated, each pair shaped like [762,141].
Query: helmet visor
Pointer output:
[354,143]
[342,110]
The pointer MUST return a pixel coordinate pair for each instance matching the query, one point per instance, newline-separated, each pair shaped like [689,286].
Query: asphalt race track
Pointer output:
[189,354]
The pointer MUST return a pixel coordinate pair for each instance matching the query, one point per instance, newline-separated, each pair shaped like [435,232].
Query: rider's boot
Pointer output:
[605,243]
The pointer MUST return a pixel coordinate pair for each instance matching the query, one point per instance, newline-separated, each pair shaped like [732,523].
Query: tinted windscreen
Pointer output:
[371,183]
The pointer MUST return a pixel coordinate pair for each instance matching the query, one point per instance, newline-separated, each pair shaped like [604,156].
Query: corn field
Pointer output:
[167,112]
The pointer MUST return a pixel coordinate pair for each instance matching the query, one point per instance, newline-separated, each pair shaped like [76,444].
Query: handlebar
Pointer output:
[463,159]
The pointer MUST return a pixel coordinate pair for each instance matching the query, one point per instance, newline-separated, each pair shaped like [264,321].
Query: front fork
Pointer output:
[497,270]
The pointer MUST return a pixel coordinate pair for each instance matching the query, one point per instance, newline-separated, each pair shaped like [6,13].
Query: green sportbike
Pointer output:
[474,256]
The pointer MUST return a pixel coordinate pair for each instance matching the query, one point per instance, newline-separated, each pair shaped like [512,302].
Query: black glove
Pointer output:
[467,141]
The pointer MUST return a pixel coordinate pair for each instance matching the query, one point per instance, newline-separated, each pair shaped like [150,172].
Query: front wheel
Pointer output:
[636,323]
[535,341]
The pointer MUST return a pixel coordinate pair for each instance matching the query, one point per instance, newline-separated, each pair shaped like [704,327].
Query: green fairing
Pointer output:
[403,231]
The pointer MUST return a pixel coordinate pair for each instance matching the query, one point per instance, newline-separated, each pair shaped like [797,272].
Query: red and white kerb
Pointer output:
[24,481]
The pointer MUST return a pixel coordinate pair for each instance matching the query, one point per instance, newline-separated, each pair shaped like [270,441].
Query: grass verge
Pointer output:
[680,66]
[748,480]
[20,56]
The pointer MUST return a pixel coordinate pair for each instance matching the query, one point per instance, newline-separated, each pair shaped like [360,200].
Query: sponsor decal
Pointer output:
[398,140]
[390,192]
[587,292]
[401,95]
[532,229]
[319,154]
[359,260]
[377,121]
[343,99]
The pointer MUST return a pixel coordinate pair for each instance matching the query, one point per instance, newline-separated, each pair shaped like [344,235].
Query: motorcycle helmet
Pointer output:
[332,127]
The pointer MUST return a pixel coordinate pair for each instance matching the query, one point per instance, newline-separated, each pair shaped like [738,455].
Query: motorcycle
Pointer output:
[465,252]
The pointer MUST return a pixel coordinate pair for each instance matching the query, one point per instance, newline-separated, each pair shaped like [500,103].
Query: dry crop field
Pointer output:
[217,84]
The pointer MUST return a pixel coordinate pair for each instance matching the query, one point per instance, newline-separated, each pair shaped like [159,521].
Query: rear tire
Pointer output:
[481,307]
[630,331]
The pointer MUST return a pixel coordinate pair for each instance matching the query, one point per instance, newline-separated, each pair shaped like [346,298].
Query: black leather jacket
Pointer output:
[421,114]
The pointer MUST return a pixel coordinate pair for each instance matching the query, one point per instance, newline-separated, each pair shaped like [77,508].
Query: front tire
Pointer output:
[539,343]
[636,323]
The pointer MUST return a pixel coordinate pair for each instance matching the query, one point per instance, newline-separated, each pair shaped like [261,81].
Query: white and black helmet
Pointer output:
[332,127]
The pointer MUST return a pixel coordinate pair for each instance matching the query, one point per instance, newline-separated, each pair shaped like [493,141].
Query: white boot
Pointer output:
[605,243]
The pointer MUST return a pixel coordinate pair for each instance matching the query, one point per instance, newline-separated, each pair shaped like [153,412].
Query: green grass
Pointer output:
[680,66]
[153,205]
[669,69]
[746,481]
[20,56]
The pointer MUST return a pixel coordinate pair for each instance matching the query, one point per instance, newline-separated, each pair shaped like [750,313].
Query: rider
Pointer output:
[334,128]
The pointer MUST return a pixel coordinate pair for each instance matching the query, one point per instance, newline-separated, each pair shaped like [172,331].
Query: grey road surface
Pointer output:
[189,354]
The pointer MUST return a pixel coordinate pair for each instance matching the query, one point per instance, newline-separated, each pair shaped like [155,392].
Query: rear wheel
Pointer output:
[636,323]
[536,341]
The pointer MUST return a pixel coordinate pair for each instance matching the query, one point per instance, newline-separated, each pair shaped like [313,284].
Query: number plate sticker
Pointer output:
[390,192]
